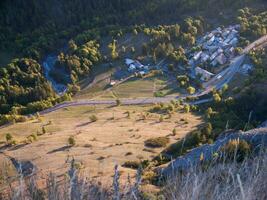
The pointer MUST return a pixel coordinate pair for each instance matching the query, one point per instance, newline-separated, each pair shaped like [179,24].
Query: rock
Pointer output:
[256,137]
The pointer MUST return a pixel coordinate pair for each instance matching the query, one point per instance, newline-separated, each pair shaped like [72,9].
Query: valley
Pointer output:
[133,100]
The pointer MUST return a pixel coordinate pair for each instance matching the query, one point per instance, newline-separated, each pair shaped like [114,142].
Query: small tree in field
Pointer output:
[93,118]
[9,137]
[71,141]
[43,130]
[118,102]
[191,90]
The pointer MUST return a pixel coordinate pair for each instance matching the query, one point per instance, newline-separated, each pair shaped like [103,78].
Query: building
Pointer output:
[112,83]
[129,61]
[204,74]
[131,68]
[197,55]
[204,57]
[246,68]
[221,59]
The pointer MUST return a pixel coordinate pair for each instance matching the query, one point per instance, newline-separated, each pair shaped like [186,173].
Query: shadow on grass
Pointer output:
[18,147]
[84,124]
[65,148]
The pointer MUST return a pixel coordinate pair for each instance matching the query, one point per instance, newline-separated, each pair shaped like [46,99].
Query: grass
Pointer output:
[50,150]
[134,88]
[154,85]
[246,180]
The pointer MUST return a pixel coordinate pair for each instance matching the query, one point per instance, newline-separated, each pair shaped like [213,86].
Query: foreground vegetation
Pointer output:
[223,180]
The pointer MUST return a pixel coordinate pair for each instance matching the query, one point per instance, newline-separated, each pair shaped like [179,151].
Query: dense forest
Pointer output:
[43,24]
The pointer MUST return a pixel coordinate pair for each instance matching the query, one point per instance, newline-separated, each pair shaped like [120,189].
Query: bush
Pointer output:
[93,118]
[71,141]
[186,108]
[157,142]
[31,138]
[236,150]
[191,90]
[159,94]
[132,164]
[9,137]
[118,102]
[179,148]
[161,118]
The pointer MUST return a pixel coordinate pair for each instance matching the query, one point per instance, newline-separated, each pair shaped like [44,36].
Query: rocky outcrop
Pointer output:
[256,137]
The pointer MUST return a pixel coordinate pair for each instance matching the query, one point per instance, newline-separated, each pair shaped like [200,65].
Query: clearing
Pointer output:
[113,139]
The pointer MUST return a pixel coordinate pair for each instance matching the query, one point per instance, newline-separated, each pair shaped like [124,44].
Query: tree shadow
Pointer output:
[17,147]
[65,148]
[83,124]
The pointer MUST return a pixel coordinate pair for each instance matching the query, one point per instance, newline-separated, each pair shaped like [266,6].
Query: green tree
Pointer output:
[9,137]
[71,141]
[191,90]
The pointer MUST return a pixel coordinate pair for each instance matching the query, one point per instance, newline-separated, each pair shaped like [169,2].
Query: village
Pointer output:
[211,54]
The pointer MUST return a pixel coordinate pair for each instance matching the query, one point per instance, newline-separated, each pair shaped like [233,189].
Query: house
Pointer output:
[197,55]
[204,57]
[112,83]
[133,65]
[211,40]
[138,65]
[204,74]
[214,62]
[142,73]
[233,42]
[221,59]
[225,34]
[210,35]
[131,68]
[246,68]
[129,61]
[191,62]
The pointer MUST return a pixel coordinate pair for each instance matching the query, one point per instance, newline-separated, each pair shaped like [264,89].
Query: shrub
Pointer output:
[134,164]
[128,114]
[71,141]
[118,102]
[191,90]
[216,97]
[161,119]
[31,138]
[9,137]
[43,130]
[174,132]
[156,108]
[159,94]
[128,154]
[157,142]
[236,150]
[93,118]
[186,108]
[182,146]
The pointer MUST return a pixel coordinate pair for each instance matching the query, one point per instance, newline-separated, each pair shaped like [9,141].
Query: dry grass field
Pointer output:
[113,139]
